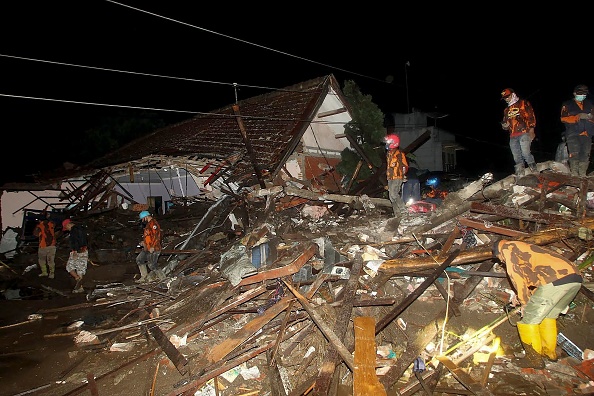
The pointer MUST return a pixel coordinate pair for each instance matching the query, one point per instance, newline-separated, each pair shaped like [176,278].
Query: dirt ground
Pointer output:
[39,356]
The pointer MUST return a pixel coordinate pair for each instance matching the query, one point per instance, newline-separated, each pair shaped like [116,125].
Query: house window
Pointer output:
[449,159]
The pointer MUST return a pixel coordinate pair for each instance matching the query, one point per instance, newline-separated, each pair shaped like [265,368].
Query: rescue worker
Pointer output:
[576,114]
[46,251]
[519,120]
[150,244]
[396,169]
[545,283]
[79,253]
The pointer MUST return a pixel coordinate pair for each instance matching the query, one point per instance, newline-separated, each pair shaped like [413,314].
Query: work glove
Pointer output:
[505,125]
[585,116]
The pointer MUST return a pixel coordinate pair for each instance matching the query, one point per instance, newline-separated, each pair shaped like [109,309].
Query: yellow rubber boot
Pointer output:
[532,343]
[548,336]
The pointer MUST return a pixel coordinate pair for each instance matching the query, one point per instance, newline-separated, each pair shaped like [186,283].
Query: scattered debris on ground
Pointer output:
[309,293]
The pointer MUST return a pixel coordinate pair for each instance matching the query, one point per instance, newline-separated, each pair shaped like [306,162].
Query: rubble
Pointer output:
[316,299]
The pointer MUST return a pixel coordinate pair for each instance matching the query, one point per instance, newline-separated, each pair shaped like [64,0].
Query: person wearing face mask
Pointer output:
[519,120]
[576,114]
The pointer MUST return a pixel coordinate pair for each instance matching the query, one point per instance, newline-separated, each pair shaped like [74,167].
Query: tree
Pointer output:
[367,129]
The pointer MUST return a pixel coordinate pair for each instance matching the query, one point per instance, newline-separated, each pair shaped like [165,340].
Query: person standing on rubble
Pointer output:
[150,244]
[46,251]
[396,169]
[545,283]
[576,115]
[519,120]
[79,253]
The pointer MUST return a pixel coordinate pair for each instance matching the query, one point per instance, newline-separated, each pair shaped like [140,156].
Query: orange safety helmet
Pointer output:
[65,223]
[392,141]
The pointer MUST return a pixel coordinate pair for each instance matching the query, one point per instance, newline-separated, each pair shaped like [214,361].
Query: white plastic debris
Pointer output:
[85,337]
[121,347]
[75,325]
[178,341]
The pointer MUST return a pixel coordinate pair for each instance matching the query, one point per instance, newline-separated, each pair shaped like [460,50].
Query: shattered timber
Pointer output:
[336,297]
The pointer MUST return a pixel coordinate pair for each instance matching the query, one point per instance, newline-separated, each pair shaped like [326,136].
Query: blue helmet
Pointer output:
[143,214]
[432,181]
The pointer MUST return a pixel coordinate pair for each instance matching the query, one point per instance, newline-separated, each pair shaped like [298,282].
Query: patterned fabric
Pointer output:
[44,230]
[520,117]
[78,262]
[152,235]
[530,266]
[397,164]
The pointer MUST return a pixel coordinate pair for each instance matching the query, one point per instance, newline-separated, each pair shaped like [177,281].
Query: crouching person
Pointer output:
[545,283]
[79,253]
[151,246]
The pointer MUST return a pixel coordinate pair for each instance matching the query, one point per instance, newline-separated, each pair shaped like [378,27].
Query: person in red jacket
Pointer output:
[46,252]
[151,246]
[519,120]
[576,115]
[396,169]
[545,283]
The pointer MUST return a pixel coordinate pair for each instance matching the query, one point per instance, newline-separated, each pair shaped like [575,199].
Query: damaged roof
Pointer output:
[273,124]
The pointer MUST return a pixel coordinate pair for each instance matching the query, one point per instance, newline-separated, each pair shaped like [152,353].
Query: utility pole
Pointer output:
[406,80]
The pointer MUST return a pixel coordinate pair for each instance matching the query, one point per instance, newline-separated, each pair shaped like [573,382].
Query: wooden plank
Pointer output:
[289,269]
[218,368]
[365,380]
[464,378]
[393,314]
[488,367]
[323,383]
[224,348]
[517,213]
[326,330]
[479,224]
[178,360]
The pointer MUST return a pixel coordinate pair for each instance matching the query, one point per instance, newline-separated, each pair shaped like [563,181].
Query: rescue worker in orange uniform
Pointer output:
[545,283]
[150,244]
[576,115]
[396,169]
[46,251]
[519,120]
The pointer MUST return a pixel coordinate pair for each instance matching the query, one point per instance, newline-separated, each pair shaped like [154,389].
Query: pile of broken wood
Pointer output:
[320,309]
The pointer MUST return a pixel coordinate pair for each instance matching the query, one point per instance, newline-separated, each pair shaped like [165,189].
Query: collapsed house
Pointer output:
[279,277]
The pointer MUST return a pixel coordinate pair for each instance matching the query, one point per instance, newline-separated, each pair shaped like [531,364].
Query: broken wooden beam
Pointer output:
[483,225]
[308,252]
[323,326]
[518,213]
[178,360]
[328,366]
[393,314]
[219,351]
[464,378]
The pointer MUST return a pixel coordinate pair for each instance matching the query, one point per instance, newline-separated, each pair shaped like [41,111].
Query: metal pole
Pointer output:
[406,79]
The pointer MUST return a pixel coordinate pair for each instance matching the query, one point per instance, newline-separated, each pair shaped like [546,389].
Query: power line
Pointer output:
[247,42]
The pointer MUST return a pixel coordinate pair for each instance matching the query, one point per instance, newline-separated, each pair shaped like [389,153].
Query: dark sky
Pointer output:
[67,63]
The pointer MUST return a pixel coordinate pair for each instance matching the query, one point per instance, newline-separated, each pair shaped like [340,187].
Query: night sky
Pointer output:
[66,64]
